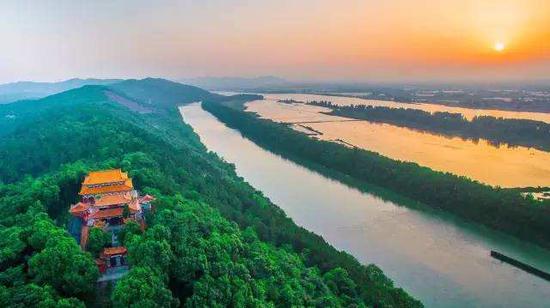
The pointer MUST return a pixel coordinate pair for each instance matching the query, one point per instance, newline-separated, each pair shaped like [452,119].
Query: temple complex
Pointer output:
[108,201]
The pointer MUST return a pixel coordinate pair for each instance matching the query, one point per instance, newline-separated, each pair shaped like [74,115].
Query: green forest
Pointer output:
[212,241]
[514,132]
[501,209]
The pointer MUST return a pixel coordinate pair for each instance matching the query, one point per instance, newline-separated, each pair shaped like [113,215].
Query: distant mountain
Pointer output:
[236,83]
[142,96]
[11,92]
[160,92]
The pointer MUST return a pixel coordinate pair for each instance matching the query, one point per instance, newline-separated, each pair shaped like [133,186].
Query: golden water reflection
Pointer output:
[466,112]
[503,166]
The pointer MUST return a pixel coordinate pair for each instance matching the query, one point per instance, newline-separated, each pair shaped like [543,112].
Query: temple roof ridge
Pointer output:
[117,188]
[105,176]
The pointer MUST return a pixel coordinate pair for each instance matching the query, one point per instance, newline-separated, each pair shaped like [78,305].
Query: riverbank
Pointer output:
[503,166]
[468,113]
[438,257]
[513,132]
[483,103]
[499,209]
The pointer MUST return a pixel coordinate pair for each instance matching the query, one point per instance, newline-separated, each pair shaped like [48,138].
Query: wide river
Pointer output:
[468,113]
[439,259]
[495,165]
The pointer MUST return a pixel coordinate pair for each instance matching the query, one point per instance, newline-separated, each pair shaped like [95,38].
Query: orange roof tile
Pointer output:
[111,251]
[107,200]
[101,214]
[127,186]
[105,176]
[79,208]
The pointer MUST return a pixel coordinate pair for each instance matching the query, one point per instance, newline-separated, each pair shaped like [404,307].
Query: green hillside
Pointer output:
[161,93]
[11,92]
[213,240]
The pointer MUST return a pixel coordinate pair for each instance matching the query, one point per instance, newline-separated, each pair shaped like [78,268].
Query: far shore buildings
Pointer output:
[108,201]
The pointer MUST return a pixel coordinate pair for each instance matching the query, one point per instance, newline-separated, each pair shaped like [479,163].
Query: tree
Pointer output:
[339,282]
[142,288]
[43,231]
[97,240]
[11,246]
[65,267]
[130,228]
[148,252]
[32,295]
[13,276]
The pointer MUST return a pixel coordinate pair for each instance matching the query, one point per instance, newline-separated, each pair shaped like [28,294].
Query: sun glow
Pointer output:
[499,46]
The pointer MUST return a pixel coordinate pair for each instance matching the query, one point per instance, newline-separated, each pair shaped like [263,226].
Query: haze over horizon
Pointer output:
[275,153]
[363,41]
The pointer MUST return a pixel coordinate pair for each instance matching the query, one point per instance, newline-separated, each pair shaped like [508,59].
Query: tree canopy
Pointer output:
[212,239]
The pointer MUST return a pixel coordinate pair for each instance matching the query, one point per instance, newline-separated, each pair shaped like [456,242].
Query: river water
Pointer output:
[437,258]
[468,113]
[494,165]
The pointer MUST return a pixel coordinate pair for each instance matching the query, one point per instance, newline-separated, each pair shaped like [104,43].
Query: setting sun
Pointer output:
[499,46]
[285,153]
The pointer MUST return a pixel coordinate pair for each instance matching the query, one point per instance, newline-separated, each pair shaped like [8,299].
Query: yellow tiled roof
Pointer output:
[110,251]
[107,200]
[105,176]
[127,186]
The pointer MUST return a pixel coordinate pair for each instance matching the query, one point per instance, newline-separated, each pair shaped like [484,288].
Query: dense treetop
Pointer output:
[213,239]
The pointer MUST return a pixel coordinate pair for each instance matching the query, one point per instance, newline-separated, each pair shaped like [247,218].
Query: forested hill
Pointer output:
[23,113]
[161,92]
[11,92]
[213,240]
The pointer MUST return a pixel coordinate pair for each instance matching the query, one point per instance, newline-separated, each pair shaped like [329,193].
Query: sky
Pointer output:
[345,40]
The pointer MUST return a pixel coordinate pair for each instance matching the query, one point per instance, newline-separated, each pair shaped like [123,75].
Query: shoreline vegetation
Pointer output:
[468,103]
[482,102]
[497,131]
[213,239]
[501,209]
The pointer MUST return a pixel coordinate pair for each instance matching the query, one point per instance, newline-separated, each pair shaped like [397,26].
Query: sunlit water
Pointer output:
[503,166]
[466,112]
[439,259]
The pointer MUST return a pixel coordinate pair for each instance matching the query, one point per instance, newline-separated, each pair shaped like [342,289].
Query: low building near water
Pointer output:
[109,201]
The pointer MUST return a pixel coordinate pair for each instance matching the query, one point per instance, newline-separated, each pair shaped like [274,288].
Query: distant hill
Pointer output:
[21,113]
[236,83]
[160,92]
[142,96]
[15,91]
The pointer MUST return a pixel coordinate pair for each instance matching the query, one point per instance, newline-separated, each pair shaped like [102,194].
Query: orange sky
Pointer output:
[352,40]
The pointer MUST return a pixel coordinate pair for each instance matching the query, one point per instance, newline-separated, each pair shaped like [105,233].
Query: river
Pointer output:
[494,165]
[438,258]
[468,113]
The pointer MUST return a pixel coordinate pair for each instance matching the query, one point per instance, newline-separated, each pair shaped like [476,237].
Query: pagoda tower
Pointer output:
[109,201]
